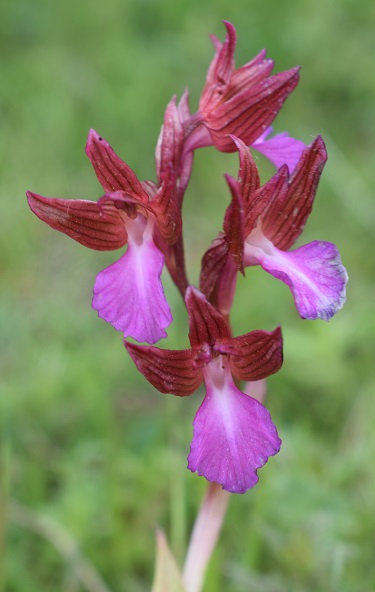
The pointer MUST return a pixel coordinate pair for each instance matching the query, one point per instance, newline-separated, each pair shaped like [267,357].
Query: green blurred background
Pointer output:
[87,445]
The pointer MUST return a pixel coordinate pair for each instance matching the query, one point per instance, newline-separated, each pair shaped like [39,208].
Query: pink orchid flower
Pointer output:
[128,294]
[233,433]
[262,224]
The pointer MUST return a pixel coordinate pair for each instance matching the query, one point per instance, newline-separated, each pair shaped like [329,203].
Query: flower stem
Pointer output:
[204,536]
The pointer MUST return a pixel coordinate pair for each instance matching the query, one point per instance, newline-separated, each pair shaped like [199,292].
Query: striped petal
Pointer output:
[170,371]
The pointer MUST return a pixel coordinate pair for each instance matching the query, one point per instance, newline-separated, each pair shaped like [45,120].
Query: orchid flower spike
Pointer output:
[262,223]
[233,433]
[128,294]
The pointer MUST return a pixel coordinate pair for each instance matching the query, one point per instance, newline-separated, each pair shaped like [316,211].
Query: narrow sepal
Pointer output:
[213,263]
[99,228]
[248,175]
[226,288]
[276,188]
[254,198]
[169,145]
[166,213]
[206,324]
[184,178]
[251,73]
[113,173]
[234,226]
[222,80]
[233,433]
[256,355]
[183,106]
[221,67]
[285,218]
[225,59]
[218,275]
[169,371]
[187,155]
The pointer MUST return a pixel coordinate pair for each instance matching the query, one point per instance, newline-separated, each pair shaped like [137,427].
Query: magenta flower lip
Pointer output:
[279,149]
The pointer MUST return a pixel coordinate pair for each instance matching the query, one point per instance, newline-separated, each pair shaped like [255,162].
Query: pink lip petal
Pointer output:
[280,149]
[233,433]
[314,273]
[129,295]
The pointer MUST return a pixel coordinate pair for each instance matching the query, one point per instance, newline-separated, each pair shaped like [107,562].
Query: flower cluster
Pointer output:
[233,432]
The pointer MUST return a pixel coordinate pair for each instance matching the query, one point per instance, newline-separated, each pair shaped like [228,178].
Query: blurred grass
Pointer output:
[85,441]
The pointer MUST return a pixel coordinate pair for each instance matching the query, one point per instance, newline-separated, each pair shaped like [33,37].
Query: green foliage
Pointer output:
[85,441]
